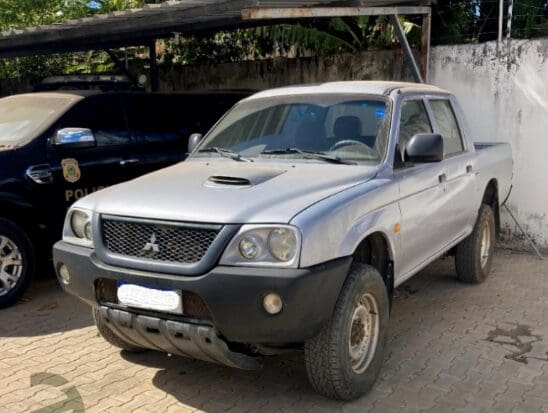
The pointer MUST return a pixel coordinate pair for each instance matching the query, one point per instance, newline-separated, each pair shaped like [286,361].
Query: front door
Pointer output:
[460,186]
[78,172]
[422,195]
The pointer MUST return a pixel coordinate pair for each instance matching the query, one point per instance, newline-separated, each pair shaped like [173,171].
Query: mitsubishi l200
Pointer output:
[289,227]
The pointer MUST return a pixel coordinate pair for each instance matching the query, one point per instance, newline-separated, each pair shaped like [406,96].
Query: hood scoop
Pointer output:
[229,180]
[241,177]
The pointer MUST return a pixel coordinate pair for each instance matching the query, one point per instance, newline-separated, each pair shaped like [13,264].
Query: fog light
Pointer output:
[272,303]
[64,274]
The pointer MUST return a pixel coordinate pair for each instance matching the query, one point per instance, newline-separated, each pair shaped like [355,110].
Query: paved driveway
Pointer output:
[452,347]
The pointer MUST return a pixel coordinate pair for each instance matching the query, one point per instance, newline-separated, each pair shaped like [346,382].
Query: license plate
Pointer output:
[168,301]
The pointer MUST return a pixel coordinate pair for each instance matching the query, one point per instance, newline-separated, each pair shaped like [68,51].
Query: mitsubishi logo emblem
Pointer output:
[151,248]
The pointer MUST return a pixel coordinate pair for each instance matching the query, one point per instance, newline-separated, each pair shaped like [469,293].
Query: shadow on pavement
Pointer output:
[212,388]
[215,388]
[44,309]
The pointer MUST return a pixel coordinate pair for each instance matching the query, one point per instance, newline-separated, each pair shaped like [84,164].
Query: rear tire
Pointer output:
[17,262]
[344,359]
[112,338]
[474,255]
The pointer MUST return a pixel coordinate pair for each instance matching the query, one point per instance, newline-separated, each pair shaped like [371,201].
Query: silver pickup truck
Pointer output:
[288,228]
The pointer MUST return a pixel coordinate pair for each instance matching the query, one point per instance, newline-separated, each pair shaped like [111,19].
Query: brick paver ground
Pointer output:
[452,347]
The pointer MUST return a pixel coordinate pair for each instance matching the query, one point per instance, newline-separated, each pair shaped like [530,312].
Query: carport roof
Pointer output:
[140,26]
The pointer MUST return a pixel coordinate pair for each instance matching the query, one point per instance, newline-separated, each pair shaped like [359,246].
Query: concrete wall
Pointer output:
[505,97]
[281,72]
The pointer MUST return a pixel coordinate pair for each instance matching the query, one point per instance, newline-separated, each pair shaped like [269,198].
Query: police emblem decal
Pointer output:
[71,170]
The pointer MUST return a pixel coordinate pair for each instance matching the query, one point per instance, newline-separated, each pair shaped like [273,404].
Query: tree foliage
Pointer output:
[454,21]
[471,21]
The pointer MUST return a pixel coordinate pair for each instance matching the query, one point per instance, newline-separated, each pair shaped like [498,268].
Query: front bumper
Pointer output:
[233,295]
[173,337]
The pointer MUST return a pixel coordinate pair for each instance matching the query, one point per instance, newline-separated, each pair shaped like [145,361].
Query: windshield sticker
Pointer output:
[71,170]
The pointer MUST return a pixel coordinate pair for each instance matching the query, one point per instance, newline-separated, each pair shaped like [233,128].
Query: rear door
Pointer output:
[159,127]
[162,123]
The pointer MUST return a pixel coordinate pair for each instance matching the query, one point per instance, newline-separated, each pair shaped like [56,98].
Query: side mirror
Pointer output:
[193,141]
[72,138]
[424,147]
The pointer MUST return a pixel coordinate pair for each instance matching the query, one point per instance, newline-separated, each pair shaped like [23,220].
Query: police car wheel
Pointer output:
[16,262]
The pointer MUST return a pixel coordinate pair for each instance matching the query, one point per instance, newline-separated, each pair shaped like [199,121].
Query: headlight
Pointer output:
[264,245]
[78,227]
[78,221]
[249,247]
[282,244]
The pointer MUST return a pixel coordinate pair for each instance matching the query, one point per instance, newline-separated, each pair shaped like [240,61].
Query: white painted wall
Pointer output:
[505,97]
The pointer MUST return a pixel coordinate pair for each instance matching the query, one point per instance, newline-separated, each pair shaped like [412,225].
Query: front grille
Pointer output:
[170,243]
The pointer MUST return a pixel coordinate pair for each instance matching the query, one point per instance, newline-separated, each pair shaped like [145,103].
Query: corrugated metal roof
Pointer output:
[138,26]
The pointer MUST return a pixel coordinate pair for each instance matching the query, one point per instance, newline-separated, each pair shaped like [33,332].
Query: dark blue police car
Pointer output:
[57,147]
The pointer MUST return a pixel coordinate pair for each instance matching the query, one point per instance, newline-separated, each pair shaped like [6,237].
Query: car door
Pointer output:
[78,172]
[160,125]
[422,194]
[458,166]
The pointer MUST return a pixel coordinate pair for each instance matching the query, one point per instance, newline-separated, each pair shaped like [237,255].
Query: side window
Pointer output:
[159,119]
[447,123]
[104,116]
[413,120]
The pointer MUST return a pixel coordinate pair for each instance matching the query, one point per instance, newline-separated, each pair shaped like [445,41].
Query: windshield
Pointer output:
[342,127]
[23,117]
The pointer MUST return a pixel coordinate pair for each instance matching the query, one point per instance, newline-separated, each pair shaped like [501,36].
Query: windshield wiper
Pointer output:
[227,153]
[309,155]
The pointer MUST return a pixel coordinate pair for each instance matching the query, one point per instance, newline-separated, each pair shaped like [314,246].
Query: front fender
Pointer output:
[334,227]
[13,200]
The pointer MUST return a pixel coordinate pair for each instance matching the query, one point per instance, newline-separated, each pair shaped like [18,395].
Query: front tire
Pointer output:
[344,359]
[474,255]
[16,262]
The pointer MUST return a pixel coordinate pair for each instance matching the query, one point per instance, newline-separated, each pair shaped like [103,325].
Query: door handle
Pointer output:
[442,178]
[469,169]
[40,174]
[128,162]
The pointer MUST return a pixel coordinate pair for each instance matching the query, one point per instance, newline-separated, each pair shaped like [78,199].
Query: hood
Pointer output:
[227,192]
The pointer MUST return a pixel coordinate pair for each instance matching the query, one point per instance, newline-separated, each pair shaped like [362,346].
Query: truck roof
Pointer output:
[366,87]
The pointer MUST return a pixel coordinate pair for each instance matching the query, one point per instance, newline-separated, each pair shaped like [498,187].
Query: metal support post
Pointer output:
[406,47]
[154,76]
[529,240]
[501,17]
[425,46]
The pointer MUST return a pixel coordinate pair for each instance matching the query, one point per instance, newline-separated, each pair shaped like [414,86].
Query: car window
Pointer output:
[362,119]
[414,119]
[104,116]
[347,126]
[23,117]
[447,123]
[159,119]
